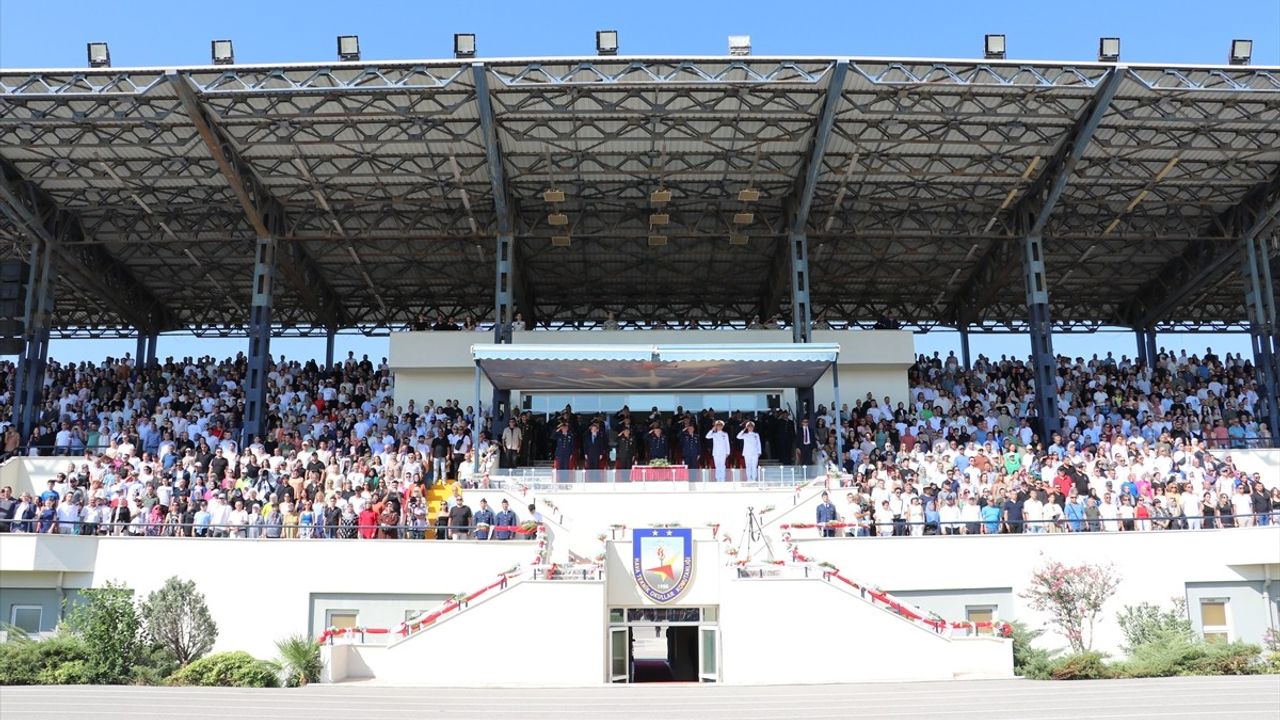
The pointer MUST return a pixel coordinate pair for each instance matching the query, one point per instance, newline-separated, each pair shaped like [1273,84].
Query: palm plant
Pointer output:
[299,660]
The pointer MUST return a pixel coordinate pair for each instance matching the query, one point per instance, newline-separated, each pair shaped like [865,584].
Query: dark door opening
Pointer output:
[665,653]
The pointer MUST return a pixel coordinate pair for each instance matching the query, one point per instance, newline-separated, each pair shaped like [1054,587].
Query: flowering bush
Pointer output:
[1073,595]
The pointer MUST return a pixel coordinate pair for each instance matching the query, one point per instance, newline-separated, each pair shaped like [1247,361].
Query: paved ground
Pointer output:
[1239,698]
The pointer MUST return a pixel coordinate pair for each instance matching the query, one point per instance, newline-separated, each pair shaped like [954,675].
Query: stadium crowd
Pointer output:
[156,453]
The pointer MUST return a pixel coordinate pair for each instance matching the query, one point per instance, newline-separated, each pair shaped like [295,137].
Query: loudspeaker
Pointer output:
[775,401]
[13,293]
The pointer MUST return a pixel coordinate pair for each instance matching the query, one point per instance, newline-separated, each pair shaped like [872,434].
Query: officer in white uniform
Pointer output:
[719,447]
[750,449]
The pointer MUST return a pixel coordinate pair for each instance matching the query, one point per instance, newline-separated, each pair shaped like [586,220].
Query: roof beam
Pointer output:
[802,197]
[990,273]
[92,266]
[502,207]
[1204,262]
[263,212]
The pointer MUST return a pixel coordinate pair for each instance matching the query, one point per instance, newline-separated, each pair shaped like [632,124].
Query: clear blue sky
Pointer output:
[152,33]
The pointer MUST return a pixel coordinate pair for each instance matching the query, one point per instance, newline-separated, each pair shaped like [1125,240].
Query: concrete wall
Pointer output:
[837,637]
[432,365]
[1153,567]
[25,474]
[1249,611]
[259,590]
[501,641]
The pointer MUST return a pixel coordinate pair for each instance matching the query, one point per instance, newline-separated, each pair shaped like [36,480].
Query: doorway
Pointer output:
[663,645]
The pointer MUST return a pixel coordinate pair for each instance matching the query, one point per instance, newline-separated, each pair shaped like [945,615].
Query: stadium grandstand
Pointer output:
[557,209]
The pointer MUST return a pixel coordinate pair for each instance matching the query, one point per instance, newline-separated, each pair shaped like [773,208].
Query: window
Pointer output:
[26,618]
[981,614]
[1213,620]
[341,619]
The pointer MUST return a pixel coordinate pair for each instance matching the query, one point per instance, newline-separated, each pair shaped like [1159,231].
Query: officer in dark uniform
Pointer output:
[626,455]
[656,444]
[564,447]
[690,446]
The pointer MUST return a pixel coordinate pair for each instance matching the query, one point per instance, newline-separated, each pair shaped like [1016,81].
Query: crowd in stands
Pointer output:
[156,448]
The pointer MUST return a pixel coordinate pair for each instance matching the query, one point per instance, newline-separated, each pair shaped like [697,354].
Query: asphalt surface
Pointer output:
[1239,698]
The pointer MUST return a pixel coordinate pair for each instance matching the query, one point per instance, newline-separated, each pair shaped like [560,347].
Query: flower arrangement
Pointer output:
[602,537]
[528,527]
[659,462]
[765,510]
[731,552]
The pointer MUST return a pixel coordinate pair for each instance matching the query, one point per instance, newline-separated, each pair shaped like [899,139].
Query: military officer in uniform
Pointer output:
[564,449]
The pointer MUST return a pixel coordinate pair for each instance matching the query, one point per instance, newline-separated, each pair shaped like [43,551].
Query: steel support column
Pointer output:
[29,386]
[1264,330]
[1140,336]
[255,381]
[1041,331]
[153,340]
[835,402]
[140,354]
[1151,346]
[801,314]
[329,336]
[504,251]
[965,356]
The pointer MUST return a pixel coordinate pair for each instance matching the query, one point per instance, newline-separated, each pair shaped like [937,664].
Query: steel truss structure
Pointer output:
[903,187]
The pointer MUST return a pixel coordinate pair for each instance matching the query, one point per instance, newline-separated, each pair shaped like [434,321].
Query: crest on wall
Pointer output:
[662,561]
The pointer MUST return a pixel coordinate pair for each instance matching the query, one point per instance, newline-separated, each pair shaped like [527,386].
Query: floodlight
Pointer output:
[659,219]
[1241,52]
[1108,49]
[560,241]
[739,44]
[994,47]
[348,47]
[222,52]
[657,240]
[748,195]
[558,219]
[464,45]
[659,196]
[743,218]
[737,239]
[606,42]
[553,195]
[99,55]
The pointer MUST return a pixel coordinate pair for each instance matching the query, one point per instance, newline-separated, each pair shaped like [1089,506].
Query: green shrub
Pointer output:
[108,622]
[228,669]
[152,666]
[1146,623]
[76,672]
[1272,666]
[1172,656]
[30,662]
[1087,665]
[1028,661]
[1237,658]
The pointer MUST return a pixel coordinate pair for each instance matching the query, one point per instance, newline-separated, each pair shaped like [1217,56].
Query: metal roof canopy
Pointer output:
[379,179]
[655,367]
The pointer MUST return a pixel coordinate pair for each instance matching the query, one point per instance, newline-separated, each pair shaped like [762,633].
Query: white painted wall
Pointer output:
[535,634]
[1154,566]
[809,631]
[259,590]
[28,474]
